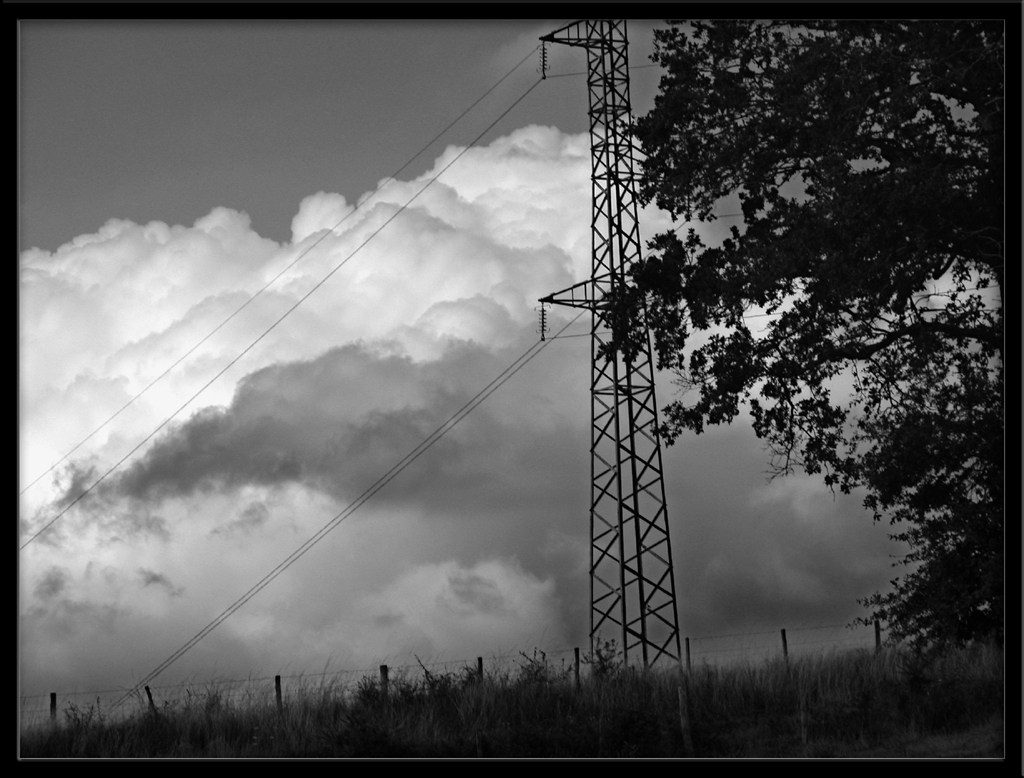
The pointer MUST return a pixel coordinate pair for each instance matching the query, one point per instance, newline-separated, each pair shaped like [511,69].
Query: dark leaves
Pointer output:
[867,157]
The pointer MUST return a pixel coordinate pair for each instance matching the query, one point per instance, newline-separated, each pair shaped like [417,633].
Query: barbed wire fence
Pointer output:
[798,641]
[553,662]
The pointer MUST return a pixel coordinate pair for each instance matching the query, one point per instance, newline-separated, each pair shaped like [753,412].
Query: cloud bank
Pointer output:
[479,546]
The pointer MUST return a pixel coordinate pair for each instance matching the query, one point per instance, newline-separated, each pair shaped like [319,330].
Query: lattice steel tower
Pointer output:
[632,586]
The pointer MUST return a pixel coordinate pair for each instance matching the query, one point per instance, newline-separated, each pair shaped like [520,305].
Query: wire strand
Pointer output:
[517,365]
[281,318]
[273,280]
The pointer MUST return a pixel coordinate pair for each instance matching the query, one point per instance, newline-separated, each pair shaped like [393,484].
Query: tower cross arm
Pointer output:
[586,33]
[580,295]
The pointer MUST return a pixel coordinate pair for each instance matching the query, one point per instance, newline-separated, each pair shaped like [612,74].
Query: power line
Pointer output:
[353,506]
[279,319]
[579,335]
[266,286]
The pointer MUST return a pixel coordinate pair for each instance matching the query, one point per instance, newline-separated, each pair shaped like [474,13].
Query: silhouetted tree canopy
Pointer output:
[868,161]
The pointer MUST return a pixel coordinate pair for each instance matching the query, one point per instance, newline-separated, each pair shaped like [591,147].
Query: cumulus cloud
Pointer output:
[85,306]
[462,261]
[322,211]
[407,329]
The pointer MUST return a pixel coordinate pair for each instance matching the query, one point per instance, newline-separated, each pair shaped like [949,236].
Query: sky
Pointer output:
[167,173]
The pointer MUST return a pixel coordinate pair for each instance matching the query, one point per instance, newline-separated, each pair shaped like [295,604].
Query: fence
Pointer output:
[267,689]
[565,662]
[754,646]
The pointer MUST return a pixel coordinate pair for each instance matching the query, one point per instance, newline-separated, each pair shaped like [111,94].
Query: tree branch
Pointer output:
[866,351]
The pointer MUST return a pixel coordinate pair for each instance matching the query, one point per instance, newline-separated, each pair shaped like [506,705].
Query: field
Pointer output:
[855,704]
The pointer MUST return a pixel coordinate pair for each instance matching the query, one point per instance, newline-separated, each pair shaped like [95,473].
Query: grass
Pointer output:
[832,705]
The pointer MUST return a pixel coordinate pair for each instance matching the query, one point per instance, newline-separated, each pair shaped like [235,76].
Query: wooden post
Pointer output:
[384,679]
[53,707]
[480,668]
[687,655]
[878,637]
[149,694]
[785,648]
[684,716]
[277,693]
[576,666]
[803,719]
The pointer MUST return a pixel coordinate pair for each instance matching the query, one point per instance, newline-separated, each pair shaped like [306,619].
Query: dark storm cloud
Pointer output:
[514,476]
[286,423]
[509,481]
[340,421]
[121,520]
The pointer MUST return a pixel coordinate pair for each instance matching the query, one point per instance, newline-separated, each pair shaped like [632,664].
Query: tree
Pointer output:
[868,162]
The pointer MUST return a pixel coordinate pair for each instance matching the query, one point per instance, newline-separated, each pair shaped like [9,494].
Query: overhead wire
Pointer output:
[281,318]
[514,368]
[518,364]
[386,182]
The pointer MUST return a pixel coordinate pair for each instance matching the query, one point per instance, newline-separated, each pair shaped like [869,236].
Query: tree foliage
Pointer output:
[868,162]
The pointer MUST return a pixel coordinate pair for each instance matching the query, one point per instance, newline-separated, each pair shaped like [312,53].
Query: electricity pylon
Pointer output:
[632,585]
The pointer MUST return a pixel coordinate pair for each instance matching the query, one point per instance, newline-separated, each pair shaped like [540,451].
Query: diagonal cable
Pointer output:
[517,365]
[281,318]
[270,283]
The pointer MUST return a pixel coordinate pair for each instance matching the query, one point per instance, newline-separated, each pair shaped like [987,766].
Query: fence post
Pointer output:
[480,668]
[684,715]
[277,693]
[149,694]
[878,637]
[785,648]
[576,666]
[803,717]
[53,707]
[384,679]
[687,655]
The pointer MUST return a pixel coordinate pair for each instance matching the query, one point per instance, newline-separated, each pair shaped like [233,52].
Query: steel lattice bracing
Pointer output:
[633,597]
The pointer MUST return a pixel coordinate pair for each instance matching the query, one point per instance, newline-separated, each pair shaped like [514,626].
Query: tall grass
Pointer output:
[848,699]
[830,705]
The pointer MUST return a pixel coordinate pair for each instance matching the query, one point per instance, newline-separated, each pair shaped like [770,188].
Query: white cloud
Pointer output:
[105,314]
[322,211]
[398,339]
